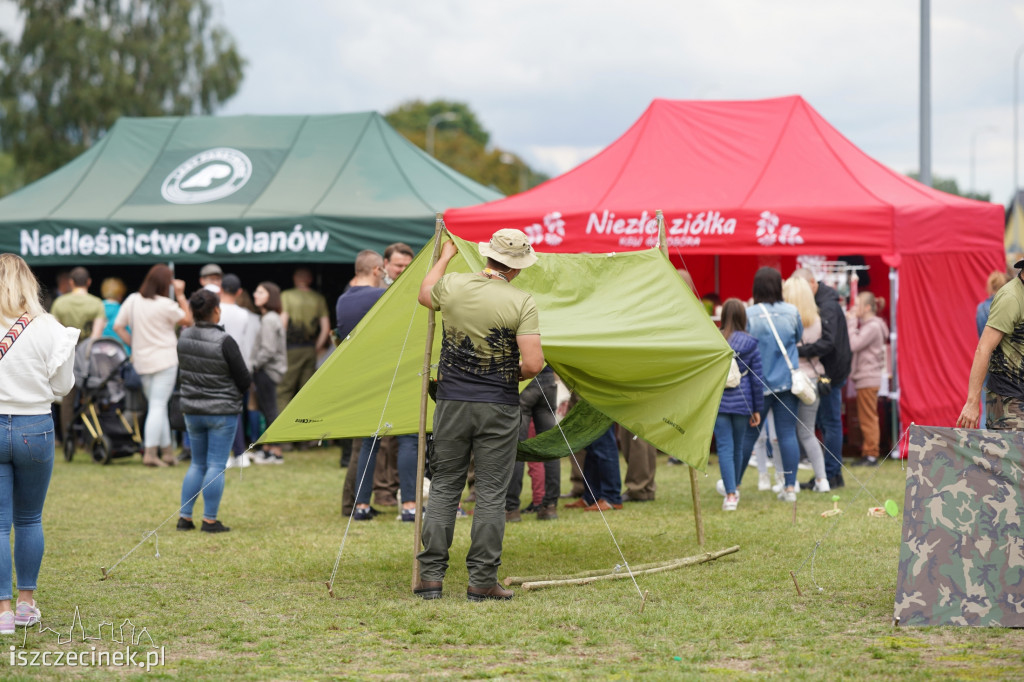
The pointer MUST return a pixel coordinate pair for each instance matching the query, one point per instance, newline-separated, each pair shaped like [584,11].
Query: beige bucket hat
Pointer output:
[509,247]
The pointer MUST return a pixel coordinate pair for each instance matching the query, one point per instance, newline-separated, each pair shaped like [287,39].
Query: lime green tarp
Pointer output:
[621,329]
[234,188]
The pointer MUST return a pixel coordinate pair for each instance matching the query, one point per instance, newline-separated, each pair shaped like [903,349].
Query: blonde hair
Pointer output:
[113,288]
[996,280]
[797,292]
[19,289]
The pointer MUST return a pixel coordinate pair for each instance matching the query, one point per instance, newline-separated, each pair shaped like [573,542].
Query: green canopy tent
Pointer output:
[621,329]
[253,189]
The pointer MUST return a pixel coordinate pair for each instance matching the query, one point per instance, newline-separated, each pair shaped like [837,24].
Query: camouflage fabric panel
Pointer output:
[1003,414]
[582,426]
[962,555]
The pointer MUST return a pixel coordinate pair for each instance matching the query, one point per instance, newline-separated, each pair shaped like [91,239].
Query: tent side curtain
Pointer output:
[620,329]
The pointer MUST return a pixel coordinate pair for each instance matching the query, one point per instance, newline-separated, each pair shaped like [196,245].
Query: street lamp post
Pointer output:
[511,160]
[1016,118]
[432,126]
[974,144]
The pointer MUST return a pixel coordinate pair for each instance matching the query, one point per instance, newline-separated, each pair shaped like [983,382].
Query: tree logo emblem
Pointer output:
[207,176]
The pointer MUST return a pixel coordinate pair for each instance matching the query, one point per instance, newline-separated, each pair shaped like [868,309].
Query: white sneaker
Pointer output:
[780,482]
[27,614]
[232,462]
[243,460]
[787,495]
[7,623]
[730,505]
[821,485]
[720,488]
[804,464]
[764,482]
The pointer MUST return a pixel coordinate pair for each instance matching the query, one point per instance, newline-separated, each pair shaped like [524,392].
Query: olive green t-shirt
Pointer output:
[1006,368]
[78,311]
[305,308]
[479,354]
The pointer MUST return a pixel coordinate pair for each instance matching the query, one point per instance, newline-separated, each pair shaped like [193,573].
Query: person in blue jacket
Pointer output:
[741,405]
[778,397]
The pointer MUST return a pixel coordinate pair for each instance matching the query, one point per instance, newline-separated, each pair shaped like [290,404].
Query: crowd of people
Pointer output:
[233,361]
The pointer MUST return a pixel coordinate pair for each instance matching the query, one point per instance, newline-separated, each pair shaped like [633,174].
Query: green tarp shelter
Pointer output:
[623,330]
[962,555]
[258,189]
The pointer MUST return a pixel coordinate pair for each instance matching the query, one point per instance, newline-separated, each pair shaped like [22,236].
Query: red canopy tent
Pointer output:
[761,182]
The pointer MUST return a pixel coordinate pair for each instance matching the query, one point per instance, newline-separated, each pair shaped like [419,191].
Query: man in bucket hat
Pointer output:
[491,343]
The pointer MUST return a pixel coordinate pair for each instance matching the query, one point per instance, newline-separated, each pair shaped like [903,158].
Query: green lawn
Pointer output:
[252,604]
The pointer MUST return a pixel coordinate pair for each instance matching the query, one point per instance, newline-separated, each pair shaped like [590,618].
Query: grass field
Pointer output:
[252,604]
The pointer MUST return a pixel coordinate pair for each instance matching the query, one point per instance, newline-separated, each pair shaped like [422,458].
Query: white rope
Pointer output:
[836,519]
[147,535]
[376,435]
[572,454]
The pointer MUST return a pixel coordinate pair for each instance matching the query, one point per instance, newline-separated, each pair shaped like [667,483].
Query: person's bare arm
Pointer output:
[448,251]
[98,325]
[531,354]
[971,414]
[325,334]
[179,296]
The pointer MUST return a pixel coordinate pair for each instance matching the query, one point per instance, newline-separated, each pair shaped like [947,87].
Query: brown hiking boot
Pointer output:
[485,593]
[513,516]
[428,589]
[548,512]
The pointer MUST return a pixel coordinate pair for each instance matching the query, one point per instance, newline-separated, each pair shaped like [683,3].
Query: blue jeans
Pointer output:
[157,388]
[783,406]
[729,430]
[407,454]
[26,462]
[830,422]
[601,470]
[211,436]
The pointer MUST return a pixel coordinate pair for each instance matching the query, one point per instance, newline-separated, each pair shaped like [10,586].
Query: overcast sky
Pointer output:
[557,80]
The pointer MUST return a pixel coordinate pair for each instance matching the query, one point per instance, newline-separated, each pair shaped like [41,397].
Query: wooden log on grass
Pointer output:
[679,563]
[518,580]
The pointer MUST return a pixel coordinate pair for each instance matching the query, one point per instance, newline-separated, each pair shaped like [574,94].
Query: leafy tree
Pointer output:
[462,144]
[79,65]
[950,186]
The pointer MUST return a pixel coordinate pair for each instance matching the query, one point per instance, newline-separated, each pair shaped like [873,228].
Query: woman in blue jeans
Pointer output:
[214,377]
[778,398]
[36,368]
[741,405]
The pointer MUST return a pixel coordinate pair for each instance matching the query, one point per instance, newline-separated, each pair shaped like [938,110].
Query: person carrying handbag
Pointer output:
[36,367]
[769,318]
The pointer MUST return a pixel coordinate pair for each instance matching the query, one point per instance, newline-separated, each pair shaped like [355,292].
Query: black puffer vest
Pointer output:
[207,386]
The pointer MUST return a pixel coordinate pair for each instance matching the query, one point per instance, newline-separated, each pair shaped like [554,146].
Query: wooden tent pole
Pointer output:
[421,444]
[698,517]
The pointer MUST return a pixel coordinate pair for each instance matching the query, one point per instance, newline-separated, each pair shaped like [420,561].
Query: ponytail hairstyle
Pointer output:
[203,303]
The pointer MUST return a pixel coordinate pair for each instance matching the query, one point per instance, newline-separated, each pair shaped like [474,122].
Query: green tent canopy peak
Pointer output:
[234,188]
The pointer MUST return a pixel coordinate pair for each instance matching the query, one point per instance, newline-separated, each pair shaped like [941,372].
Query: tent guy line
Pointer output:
[835,519]
[376,435]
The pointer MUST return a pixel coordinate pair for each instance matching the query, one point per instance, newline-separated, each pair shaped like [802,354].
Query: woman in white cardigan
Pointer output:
[36,368]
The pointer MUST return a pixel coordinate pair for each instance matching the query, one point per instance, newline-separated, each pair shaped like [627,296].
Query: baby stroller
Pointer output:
[101,418]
